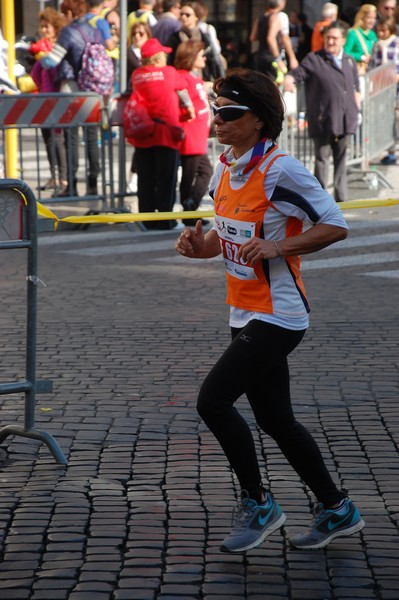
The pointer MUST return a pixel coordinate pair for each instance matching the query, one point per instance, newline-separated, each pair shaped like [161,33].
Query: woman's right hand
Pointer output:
[191,242]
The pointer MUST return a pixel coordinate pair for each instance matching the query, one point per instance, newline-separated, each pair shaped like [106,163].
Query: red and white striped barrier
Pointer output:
[49,110]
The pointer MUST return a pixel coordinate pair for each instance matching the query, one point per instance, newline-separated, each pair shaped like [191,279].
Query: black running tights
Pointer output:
[255,364]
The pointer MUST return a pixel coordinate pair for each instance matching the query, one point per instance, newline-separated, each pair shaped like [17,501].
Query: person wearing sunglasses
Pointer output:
[140,33]
[190,15]
[263,198]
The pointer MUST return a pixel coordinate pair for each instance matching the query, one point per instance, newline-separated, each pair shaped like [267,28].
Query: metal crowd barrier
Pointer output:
[379,111]
[29,113]
[295,140]
[18,230]
[118,192]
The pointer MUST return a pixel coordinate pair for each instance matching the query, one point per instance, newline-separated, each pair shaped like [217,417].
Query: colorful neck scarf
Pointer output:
[258,152]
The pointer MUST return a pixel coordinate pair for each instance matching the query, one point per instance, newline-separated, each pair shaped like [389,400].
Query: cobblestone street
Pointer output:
[127,330]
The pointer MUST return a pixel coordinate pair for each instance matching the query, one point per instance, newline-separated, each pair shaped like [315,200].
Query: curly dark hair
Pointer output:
[52,16]
[263,96]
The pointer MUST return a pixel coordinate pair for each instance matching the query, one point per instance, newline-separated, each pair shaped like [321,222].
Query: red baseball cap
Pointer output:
[153,46]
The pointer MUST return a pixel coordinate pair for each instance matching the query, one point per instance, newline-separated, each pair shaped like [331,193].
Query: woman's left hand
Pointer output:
[313,239]
[257,249]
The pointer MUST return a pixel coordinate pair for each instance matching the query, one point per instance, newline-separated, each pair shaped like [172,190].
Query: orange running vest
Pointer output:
[240,215]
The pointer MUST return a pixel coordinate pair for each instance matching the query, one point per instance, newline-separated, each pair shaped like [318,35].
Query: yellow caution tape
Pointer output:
[131,217]
[372,203]
[43,211]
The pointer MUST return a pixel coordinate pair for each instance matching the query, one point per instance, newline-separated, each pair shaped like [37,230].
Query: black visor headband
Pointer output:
[240,96]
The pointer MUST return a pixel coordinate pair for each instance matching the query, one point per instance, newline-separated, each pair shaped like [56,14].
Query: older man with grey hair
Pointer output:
[329,13]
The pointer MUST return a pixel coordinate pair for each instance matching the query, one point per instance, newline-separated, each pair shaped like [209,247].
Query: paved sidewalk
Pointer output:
[127,331]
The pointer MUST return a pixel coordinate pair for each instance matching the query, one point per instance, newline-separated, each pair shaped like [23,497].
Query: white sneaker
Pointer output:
[132,184]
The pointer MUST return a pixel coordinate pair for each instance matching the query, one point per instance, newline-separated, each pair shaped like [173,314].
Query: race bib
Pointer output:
[232,235]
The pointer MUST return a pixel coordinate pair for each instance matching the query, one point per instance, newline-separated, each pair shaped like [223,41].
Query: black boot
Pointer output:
[92,186]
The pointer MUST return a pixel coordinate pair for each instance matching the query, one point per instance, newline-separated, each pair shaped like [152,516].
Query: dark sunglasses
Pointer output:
[140,33]
[230,112]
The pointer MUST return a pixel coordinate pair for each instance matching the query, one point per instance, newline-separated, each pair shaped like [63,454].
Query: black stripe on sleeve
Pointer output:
[282,194]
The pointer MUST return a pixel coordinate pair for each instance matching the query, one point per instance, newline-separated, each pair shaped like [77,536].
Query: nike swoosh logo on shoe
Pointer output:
[263,520]
[331,525]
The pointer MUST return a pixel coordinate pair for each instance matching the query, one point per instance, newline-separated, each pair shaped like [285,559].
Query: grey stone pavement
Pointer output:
[127,331]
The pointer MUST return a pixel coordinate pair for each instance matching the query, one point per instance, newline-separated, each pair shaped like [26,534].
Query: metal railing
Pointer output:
[29,113]
[56,113]
[18,230]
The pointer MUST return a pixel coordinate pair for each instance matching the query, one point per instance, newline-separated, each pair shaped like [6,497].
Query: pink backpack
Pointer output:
[97,71]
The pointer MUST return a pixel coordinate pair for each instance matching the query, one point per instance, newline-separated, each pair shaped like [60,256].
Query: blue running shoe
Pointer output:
[252,523]
[329,524]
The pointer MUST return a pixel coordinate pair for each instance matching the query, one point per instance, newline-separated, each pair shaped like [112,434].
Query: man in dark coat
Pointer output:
[333,103]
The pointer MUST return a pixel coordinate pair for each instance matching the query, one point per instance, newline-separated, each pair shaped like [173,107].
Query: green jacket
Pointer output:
[353,45]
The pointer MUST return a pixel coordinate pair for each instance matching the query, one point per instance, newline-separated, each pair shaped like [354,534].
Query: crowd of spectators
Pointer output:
[337,55]
[278,44]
